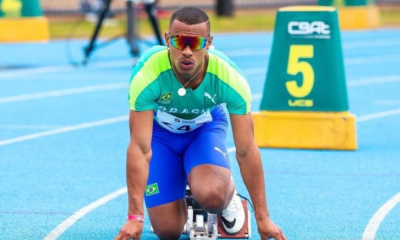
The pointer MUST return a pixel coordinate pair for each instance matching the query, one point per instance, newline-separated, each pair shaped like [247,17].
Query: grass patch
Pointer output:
[243,21]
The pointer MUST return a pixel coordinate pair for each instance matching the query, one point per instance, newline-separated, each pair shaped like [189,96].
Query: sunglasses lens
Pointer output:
[195,43]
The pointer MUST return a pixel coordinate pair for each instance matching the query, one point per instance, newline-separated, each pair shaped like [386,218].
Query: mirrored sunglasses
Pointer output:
[194,42]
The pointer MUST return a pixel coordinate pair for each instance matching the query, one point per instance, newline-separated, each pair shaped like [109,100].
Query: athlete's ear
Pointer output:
[166,36]
[209,41]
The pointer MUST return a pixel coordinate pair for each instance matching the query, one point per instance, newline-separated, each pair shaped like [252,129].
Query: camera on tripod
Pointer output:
[133,8]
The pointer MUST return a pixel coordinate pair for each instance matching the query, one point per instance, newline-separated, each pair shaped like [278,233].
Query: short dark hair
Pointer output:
[190,16]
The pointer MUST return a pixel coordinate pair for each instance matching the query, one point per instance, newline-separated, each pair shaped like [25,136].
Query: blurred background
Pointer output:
[227,15]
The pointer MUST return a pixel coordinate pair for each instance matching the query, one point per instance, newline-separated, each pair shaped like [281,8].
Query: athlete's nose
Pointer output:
[187,51]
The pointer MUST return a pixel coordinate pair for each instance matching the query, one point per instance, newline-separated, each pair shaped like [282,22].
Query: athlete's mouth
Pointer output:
[186,63]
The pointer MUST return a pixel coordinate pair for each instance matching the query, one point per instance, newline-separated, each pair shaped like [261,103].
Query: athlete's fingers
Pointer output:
[119,236]
[139,236]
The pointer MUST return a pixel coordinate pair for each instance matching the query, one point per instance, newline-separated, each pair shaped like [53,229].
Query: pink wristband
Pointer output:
[138,218]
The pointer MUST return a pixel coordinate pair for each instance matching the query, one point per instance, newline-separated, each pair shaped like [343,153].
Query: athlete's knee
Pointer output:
[211,199]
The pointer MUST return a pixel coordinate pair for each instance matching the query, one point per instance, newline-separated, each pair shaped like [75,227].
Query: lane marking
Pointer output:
[372,59]
[58,93]
[60,229]
[234,53]
[64,130]
[106,87]
[374,80]
[378,115]
[24,127]
[386,102]
[372,43]
[376,220]
[66,68]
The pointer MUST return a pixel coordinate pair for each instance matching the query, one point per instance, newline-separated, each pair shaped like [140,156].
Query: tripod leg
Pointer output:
[132,24]
[88,50]
[150,9]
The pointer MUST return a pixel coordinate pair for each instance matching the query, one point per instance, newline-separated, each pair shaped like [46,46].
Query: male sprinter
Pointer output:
[178,132]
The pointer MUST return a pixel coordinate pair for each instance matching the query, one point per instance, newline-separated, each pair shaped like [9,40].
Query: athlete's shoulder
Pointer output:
[219,61]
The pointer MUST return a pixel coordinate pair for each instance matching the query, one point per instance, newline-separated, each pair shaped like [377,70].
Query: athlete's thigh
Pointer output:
[167,179]
[208,146]
[206,159]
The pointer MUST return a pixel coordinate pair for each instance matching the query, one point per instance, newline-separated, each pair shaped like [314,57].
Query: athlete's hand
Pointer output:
[131,230]
[267,230]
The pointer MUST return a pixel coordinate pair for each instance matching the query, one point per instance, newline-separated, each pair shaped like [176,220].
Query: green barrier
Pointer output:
[304,103]
[306,70]
[20,8]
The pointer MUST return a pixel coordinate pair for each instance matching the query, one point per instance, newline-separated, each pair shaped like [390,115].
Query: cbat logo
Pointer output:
[309,28]
[152,189]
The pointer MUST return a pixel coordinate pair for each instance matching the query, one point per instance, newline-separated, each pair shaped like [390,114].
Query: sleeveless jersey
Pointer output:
[154,86]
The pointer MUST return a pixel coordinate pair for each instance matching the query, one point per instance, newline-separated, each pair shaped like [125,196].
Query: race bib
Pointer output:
[179,125]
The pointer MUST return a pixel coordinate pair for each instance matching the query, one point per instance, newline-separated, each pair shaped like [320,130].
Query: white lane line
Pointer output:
[106,87]
[33,71]
[378,115]
[371,43]
[376,220]
[57,93]
[372,59]
[247,52]
[24,127]
[234,53]
[255,71]
[374,80]
[60,229]
[386,102]
[53,69]
[64,129]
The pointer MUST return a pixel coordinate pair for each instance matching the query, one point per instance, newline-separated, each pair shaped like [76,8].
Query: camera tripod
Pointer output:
[132,36]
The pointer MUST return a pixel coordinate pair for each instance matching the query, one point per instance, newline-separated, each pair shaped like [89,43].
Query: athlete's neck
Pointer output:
[197,76]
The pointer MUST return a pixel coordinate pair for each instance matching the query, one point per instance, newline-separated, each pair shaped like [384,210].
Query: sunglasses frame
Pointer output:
[178,35]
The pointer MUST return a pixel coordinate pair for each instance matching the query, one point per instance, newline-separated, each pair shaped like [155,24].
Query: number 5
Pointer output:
[295,66]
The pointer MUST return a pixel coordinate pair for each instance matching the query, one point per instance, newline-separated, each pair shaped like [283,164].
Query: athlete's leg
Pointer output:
[209,176]
[208,168]
[168,220]
[165,191]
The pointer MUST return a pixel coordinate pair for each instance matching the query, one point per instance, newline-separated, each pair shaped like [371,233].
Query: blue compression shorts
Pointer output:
[175,155]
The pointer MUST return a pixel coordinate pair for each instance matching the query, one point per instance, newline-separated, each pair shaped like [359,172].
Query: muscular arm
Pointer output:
[138,158]
[251,169]
[248,156]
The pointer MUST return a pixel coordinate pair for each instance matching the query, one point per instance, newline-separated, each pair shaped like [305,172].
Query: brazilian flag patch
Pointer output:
[166,97]
[152,189]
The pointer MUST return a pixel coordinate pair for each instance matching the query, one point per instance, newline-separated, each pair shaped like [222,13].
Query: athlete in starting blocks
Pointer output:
[178,130]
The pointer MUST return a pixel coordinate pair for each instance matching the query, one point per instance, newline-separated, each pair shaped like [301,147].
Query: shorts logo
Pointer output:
[152,189]
[166,98]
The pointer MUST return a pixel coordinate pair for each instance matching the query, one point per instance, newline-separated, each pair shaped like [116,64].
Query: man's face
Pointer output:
[187,61]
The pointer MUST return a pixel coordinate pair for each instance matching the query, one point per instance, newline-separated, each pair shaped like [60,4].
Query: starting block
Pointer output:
[201,225]
[205,226]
